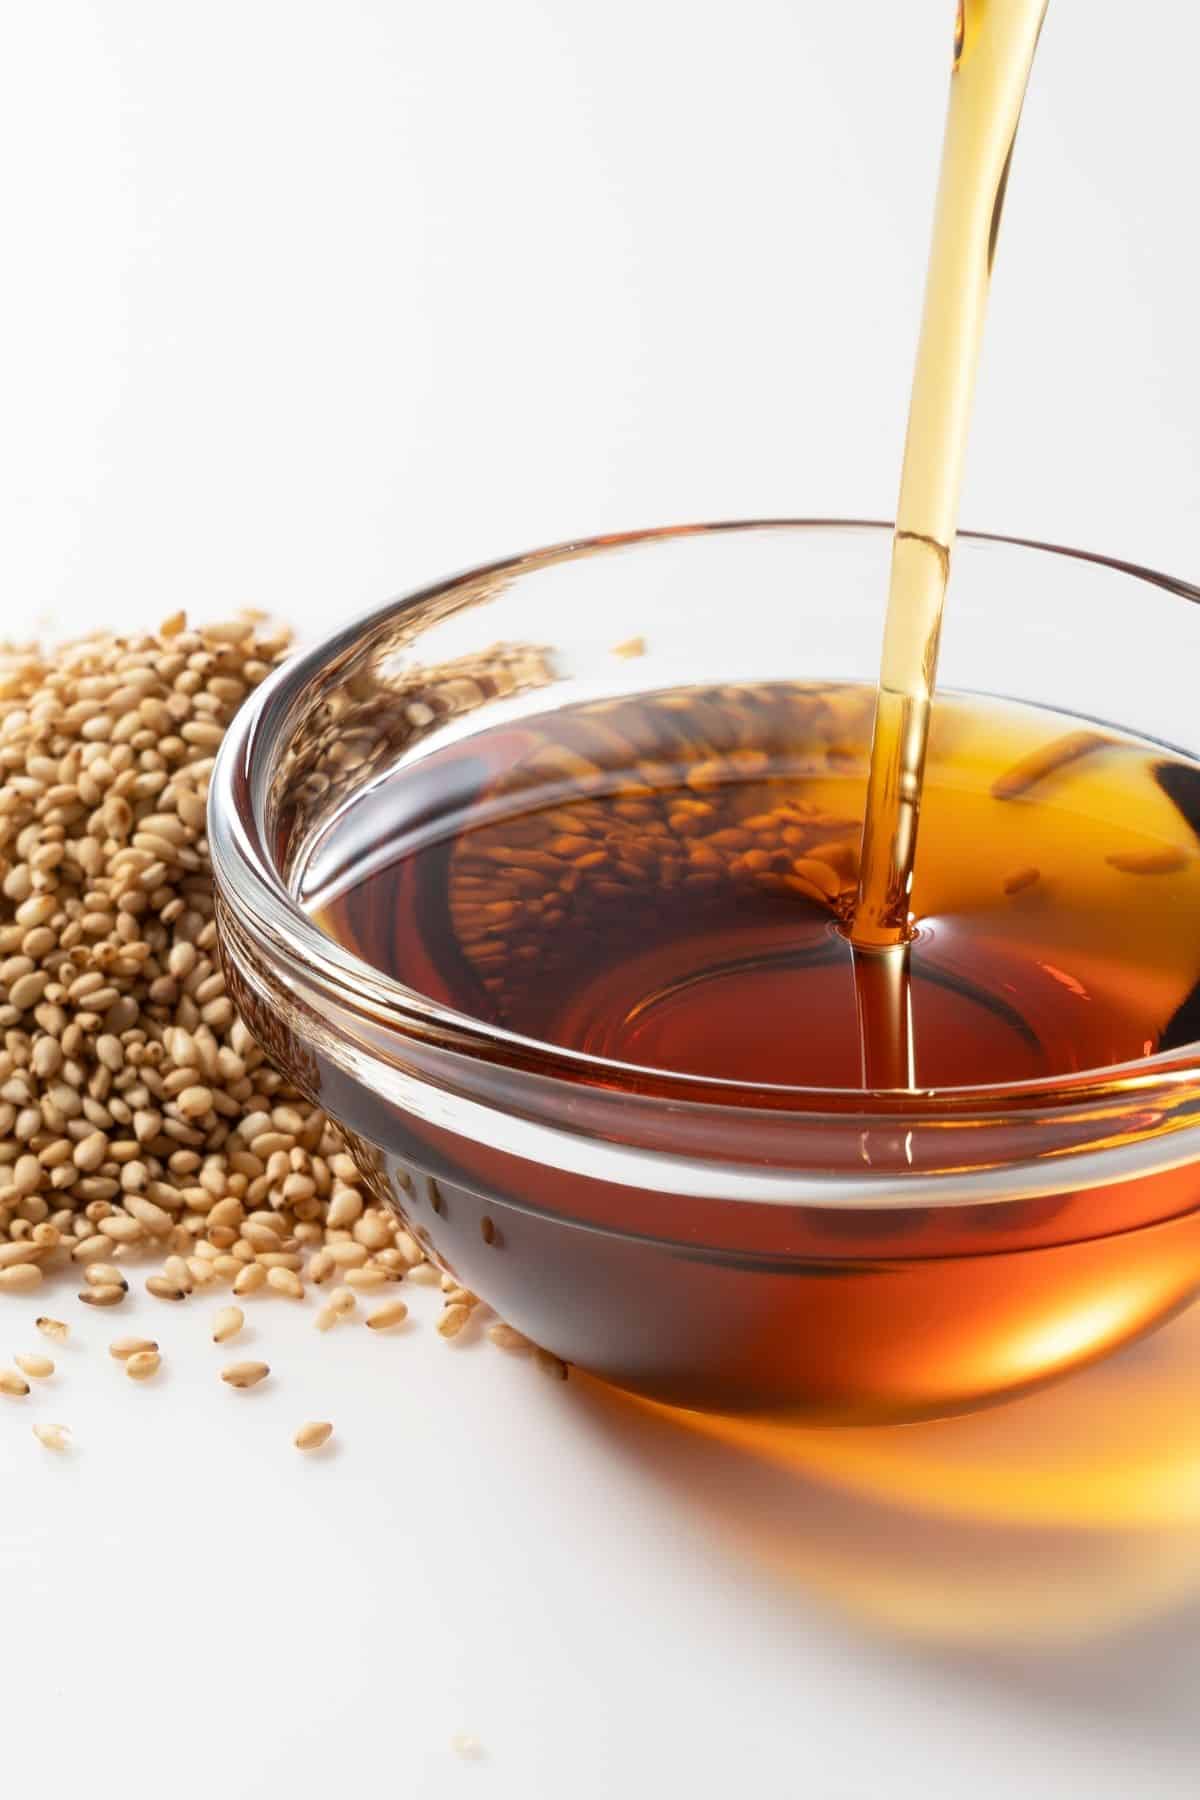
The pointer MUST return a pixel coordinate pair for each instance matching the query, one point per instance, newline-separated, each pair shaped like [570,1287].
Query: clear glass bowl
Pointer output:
[704,1245]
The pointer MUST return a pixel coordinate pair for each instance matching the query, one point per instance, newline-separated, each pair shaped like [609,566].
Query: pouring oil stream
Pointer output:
[994,47]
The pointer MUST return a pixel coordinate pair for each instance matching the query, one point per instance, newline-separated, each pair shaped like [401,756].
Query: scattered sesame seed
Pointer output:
[20,1278]
[160,1125]
[286,1281]
[163,1288]
[227,1323]
[103,1296]
[507,1337]
[459,1296]
[99,1274]
[320,1267]
[367,1279]
[54,1437]
[392,1313]
[245,1374]
[423,1275]
[453,1318]
[313,1435]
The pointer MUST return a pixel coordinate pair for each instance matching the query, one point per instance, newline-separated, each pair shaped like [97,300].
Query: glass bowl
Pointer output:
[804,1252]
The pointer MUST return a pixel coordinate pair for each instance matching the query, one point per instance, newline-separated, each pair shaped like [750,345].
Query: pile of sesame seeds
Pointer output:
[138,1117]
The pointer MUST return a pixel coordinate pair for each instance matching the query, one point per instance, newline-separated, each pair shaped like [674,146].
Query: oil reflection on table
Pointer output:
[1067,1522]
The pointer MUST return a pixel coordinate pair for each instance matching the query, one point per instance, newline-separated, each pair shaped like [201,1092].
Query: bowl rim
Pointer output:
[264,909]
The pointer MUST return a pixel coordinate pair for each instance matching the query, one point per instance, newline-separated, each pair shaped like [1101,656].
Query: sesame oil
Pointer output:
[723,882]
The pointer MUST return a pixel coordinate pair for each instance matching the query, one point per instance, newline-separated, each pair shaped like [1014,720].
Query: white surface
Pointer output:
[608,1609]
[305,303]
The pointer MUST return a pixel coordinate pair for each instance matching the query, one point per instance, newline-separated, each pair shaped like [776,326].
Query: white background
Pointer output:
[302,304]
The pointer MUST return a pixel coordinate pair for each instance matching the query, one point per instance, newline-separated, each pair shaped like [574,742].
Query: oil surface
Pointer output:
[660,881]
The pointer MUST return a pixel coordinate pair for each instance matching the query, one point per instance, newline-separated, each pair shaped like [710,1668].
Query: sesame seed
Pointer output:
[340,1304]
[384,1318]
[53,1437]
[320,1267]
[458,1296]
[227,1323]
[423,1275]
[106,1295]
[100,1274]
[175,1269]
[507,1337]
[164,1289]
[313,1435]
[286,1281]
[346,1255]
[245,1374]
[1047,760]
[367,1279]
[1167,860]
[20,1278]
